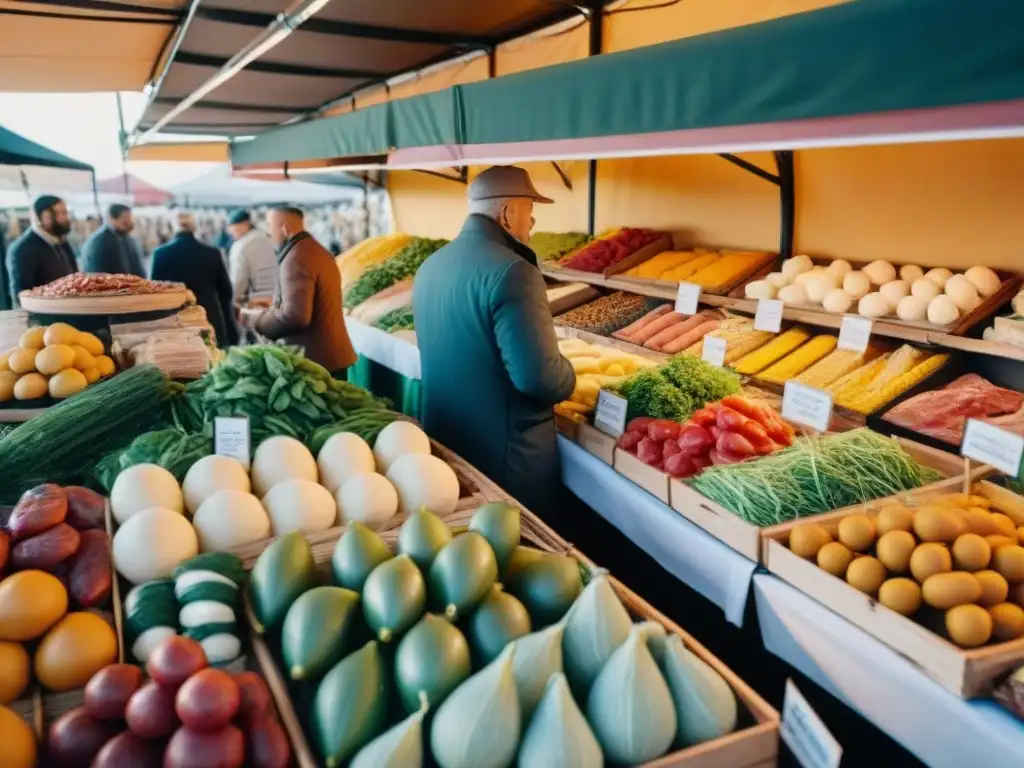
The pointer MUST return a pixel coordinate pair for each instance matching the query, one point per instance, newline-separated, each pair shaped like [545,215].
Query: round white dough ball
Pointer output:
[368,499]
[910,273]
[857,284]
[873,305]
[396,440]
[281,458]
[793,294]
[144,486]
[939,276]
[912,308]
[837,301]
[839,268]
[942,310]
[810,274]
[797,265]
[880,272]
[300,505]
[985,281]
[344,455]
[925,289]
[777,279]
[211,474]
[151,543]
[895,290]
[817,288]
[422,481]
[230,519]
[759,289]
[963,293]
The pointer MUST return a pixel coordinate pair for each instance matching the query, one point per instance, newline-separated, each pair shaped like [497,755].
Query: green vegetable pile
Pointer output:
[62,443]
[552,246]
[815,475]
[396,320]
[277,387]
[398,267]
[366,422]
[172,449]
[676,389]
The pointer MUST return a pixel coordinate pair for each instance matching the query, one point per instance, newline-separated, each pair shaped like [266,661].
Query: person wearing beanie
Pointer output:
[480,306]
[252,262]
[42,254]
[200,267]
[110,248]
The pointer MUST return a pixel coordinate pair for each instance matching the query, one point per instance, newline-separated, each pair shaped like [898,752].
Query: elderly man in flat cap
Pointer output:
[42,254]
[490,362]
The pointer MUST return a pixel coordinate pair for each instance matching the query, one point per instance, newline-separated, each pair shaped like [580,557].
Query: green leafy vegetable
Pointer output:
[676,389]
[396,320]
[172,449]
[551,246]
[398,267]
[814,475]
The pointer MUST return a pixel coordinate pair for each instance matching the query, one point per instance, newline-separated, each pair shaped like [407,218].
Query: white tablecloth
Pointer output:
[384,348]
[939,728]
[697,559]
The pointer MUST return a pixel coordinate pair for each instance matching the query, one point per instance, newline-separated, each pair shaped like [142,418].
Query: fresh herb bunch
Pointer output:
[396,320]
[400,266]
[676,389]
[551,246]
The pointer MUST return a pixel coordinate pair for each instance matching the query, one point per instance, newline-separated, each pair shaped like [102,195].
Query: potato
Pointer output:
[971,552]
[1007,622]
[1009,561]
[835,558]
[857,532]
[948,590]
[929,559]
[894,550]
[933,522]
[994,588]
[969,625]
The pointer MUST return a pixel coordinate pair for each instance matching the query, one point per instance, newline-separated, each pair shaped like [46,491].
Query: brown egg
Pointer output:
[1007,622]
[994,588]
[948,590]
[894,517]
[938,523]
[894,550]
[865,574]
[928,559]
[835,558]
[969,625]
[1009,561]
[1004,525]
[901,595]
[857,532]
[971,553]
[807,538]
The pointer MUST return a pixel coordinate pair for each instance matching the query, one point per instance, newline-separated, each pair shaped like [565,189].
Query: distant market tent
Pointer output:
[35,169]
[134,190]
[220,188]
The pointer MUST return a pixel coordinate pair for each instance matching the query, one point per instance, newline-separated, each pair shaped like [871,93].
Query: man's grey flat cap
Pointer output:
[505,181]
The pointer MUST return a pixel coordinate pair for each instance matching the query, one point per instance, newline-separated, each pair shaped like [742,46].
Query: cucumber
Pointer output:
[422,536]
[350,707]
[496,622]
[283,572]
[393,597]
[432,660]
[356,554]
[499,523]
[462,574]
[547,586]
[318,631]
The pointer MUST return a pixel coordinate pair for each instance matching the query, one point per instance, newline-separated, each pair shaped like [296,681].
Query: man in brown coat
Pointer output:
[307,301]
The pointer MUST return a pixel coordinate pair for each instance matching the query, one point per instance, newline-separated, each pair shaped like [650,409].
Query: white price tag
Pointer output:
[855,333]
[807,406]
[769,316]
[812,744]
[610,416]
[991,445]
[713,351]
[687,298]
[231,437]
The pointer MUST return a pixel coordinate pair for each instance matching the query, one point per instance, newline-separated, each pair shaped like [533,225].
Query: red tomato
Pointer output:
[701,461]
[735,444]
[693,438]
[628,441]
[715,431]
[705,417]
[680,465]
[649,451]
[730,419]
[753,431]
[639,424]
[662,429]
[670,448]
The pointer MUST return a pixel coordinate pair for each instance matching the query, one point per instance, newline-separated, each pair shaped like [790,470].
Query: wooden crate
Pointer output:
[596,442]
[651,479]
[752,746]
[965,673]
[746,538]
[649,251]
[763,266]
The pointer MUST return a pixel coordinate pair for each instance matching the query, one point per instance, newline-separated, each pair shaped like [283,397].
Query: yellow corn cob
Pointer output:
[796,363]
[902,361]
[834,366]
[664,261]
[773,351]
[869,402]
[727,270]
[848,387]
[745,344]
[684,271]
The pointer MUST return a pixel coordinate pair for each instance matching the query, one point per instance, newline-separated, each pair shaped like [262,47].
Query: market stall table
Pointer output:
[887,689]
[700,561]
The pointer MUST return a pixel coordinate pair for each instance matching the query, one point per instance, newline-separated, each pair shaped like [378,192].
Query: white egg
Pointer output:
[895,290]
[963,293]
[793,294]
[925,289]
[818,287]
[942,310]
[857,284]
[837,301]
[912,308]
[985,281]
[910,273]
[759,289]
[777,279]
[873,305]
[939,276]
[839,268]
[797,265]
[880,272]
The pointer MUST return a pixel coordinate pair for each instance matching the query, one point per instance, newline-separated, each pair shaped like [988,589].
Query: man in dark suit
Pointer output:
[42,254]
[110,248]
[200,267]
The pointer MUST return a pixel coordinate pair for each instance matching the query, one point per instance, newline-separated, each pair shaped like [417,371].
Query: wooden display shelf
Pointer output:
[127,304]
[754,744]
[759,269]
[650,479]
[965,673]
[747,538]
[567,332]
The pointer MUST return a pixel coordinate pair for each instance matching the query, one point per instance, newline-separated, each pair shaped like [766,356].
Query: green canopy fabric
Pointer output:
[793,75]
[17,150]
